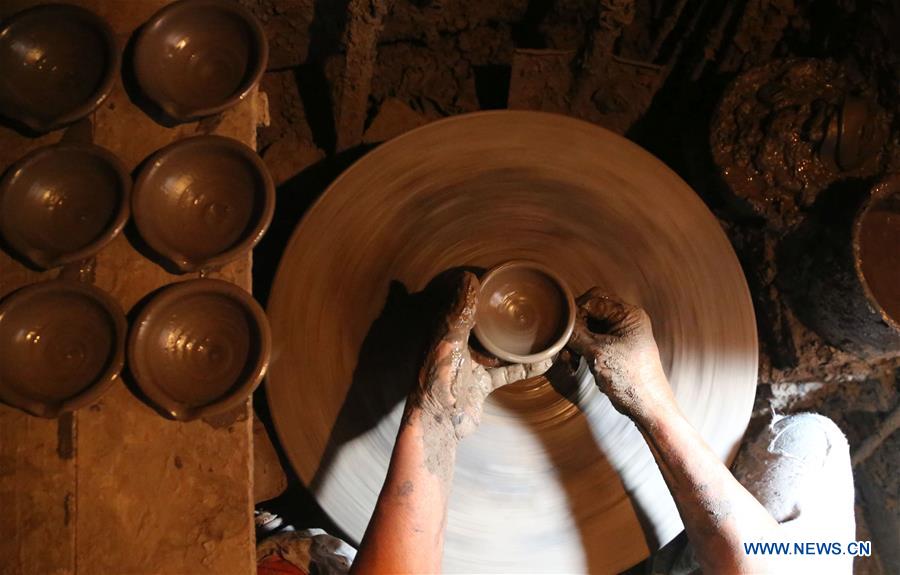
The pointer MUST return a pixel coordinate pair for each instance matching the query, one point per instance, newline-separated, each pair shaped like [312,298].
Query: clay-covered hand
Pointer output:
[616,341]
[452,386]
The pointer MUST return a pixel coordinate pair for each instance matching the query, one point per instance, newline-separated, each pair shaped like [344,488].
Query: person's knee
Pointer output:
[798,465]
[807,436]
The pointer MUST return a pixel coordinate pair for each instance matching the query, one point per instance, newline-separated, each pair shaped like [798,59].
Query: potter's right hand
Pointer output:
[616,341]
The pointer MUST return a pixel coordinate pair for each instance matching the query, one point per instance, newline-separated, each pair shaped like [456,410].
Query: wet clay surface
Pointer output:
[61,345]
[879,252]
[203,201]
[776,139]
[46,81]
[197,58]
[521,311]
[475,191]
[199,348]
[63,203]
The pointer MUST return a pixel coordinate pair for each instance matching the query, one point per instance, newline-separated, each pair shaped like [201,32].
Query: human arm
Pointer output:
[718,512]
[406,531]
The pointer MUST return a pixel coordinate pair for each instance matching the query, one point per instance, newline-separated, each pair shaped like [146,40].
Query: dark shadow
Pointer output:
[815,260]
[292,199]
[389,361]
[19,258]
[386,372]
[20,128]
[325,33]
[526,33]
[826,227]
[492,86]
[297,505]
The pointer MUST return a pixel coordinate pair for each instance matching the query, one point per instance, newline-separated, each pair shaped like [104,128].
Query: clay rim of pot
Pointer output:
[250,238]
[150,313]
[260,42]
[95,390]
[558,344]
[112,54]
[888,186]
[115,226]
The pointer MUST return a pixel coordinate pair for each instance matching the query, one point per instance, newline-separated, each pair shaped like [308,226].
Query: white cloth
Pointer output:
[798,467]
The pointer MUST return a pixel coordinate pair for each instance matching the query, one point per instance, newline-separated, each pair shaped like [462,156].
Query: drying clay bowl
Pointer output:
[62,344]
[525,312]
[195,58]
[63,203]
[58,61]
[199,347]
[203,201]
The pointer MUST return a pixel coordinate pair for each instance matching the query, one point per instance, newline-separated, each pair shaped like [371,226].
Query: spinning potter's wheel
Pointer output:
[554,479]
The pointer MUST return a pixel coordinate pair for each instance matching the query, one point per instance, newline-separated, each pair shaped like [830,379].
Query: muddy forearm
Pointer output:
[405,534]
[718,513]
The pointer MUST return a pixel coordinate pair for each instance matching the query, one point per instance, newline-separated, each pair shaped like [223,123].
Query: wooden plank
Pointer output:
[130,491]
[37,495]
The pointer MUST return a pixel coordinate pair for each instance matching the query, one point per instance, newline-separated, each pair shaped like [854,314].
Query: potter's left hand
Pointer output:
[452,387]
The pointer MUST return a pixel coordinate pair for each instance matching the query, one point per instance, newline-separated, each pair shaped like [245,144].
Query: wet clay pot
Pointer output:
[203,201]
[196,58]
[63,203]
[525,312]
[62,344]
[58,63]
[198,348]
[853,300]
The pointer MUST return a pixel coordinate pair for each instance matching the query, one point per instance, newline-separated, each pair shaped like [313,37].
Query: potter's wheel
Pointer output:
[553,480]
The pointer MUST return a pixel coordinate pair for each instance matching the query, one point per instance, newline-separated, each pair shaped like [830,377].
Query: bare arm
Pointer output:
[406,532]
[718,513]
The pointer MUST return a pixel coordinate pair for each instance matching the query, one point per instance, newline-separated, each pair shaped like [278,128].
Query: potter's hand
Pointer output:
[452,387]
[616,340]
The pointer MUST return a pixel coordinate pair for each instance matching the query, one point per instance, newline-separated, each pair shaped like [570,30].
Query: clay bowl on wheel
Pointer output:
[196,58]
[63,203]
[199,347]
[58,63]
[62,344]
[525,312]
[203,201]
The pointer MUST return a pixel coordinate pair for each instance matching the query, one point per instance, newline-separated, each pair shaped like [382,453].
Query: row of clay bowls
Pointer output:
[197,203]
[196,348]
[193,58]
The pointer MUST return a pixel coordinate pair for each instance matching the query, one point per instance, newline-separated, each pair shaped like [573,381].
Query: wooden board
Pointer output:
[116,488]
[554,480]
